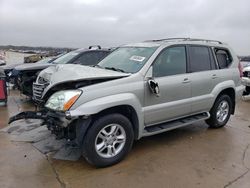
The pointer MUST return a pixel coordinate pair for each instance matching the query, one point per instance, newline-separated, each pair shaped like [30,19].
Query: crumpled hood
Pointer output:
[73,72]
[32,66]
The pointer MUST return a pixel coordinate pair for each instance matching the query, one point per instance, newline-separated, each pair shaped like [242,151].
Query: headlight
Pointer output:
[63,100]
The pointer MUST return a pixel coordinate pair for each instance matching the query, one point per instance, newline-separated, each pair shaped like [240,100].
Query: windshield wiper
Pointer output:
[114,69]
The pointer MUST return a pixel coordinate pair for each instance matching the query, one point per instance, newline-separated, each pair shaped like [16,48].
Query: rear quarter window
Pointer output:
[223,57]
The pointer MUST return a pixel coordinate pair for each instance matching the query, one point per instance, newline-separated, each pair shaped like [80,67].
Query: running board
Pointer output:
[159,128]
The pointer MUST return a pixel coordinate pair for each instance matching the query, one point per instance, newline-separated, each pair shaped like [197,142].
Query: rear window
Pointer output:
[91,58]
[224,59]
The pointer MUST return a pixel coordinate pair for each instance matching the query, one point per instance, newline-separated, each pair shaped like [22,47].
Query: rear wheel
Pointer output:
[220,112]
[108,140]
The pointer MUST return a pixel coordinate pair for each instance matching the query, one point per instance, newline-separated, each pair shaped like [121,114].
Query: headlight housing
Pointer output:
[63,100]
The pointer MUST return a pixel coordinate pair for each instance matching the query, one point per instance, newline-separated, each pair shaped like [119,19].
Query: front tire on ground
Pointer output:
[220,112]
[108,140]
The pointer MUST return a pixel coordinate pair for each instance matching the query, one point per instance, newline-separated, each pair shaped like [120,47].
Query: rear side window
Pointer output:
[199,57]
[223,57]
[171,61]
[90,58]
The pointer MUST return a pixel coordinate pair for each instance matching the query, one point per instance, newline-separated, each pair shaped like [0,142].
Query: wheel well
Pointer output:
[126,110]
[231,93]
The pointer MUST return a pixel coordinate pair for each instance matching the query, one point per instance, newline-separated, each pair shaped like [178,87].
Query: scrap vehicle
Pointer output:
[246,77]
[26,74]
[139,90]
[8,72]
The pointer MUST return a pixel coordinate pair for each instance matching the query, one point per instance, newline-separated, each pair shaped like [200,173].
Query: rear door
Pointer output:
[201,66]
[169,71]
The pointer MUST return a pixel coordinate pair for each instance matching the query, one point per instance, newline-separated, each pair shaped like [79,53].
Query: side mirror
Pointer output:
[154,87]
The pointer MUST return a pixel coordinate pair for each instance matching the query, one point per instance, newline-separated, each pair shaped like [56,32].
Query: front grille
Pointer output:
[246,74]
[38,91]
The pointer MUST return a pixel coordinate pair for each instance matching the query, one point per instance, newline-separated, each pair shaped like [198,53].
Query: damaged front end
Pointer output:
[61,91]
[66,135]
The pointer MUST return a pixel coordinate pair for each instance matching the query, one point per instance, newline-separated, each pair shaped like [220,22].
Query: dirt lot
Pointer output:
[194,156]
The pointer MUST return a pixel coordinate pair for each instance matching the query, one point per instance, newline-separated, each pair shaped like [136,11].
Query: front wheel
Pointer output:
[108,140]
[220,112]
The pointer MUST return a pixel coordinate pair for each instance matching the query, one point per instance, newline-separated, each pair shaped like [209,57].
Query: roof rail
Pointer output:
[183,39]
[167,39]
[206,40]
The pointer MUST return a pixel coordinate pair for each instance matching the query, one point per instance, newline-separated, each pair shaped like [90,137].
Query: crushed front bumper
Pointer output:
[56,122]
[67,134]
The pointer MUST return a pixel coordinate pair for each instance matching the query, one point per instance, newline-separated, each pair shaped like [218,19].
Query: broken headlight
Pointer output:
[63,100]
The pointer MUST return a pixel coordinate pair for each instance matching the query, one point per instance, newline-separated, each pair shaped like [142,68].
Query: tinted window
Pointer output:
[66,57]
[223,58]
[90,58]
[199,58]
[171,61]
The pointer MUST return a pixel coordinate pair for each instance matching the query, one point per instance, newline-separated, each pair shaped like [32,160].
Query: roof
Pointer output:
[160,42]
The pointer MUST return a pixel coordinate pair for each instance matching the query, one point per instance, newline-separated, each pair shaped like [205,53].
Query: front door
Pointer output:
[169,71]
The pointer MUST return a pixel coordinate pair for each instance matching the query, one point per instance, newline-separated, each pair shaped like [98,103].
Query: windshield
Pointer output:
[128,59]
[66,58]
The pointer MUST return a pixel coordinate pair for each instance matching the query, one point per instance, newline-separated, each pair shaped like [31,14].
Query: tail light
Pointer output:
[240,67]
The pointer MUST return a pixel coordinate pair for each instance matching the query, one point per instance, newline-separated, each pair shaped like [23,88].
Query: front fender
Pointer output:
[97,105]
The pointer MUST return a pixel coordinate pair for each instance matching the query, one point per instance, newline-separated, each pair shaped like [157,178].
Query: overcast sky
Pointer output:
[79,23]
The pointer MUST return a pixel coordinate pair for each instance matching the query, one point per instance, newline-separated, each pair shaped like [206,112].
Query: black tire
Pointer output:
[89,149]
[213,122]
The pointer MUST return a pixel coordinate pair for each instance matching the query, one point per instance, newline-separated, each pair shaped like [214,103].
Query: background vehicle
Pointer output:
[25,74]
[246,77]
[89,57]
[140,90]
[8,72]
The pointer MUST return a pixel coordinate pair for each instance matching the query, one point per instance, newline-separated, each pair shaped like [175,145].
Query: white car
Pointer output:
[246,76]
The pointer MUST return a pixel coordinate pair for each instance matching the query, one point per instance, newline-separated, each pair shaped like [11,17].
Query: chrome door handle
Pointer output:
[186,80]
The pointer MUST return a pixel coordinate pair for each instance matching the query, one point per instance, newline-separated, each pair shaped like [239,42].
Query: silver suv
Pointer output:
[140,90]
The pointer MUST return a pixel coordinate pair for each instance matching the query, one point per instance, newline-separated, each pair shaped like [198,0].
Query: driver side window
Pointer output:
[171,61]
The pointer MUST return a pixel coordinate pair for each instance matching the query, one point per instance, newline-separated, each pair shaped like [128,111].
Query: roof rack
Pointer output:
[95,47]
[184,39]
